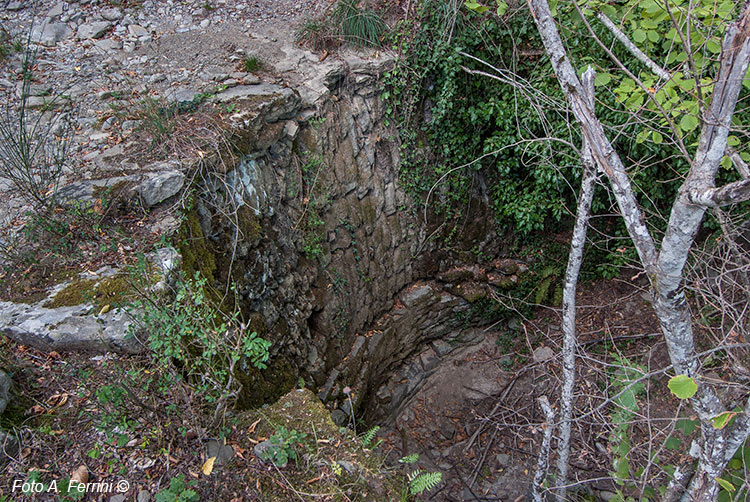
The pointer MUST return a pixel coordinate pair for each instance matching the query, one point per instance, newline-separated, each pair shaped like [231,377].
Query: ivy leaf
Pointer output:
[602,78]
[726,485]
[688,122]
[657,137]
[722,419]
[682,386]
[502,6]
[471,4]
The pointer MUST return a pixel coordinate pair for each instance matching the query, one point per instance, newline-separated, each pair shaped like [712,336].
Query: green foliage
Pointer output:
[178,491]
[350,22]
[283,443]
[368,436]
[251,64]
[193,339]
[421,482]
[625,382]
[359,25]
[682,386]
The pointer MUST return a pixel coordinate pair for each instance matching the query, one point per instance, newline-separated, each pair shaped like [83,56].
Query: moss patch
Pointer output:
[112,290]
[197,256]
[264,386]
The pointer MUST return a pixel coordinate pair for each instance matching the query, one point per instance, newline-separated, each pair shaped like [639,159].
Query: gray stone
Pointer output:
[181,94]
[93,30]
[56,10]
[32,89]
[5,386]
[68,328]
[136,30]
[542,354]
[9,447]
[282,102]
[84,191]
[261,448]
[503,460]
[14,6]
[339,417]
[159,188]
[223,452]
[111,14]
[108,45]
[143,496]
[117,498]
[50,34]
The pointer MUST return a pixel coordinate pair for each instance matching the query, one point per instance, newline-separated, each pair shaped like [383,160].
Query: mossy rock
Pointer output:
[197,255]
[112,290]
[359,474]
[264,386]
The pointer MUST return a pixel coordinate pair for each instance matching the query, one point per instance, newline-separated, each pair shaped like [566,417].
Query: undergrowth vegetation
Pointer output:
[509,137]
[351,22]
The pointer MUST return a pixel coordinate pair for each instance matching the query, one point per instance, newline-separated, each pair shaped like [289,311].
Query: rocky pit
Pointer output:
[333,261]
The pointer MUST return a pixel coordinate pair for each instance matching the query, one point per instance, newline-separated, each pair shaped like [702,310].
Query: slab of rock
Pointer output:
[138,31]
[67,328]
[160,187]
[86,191]
[5,386]
[281,102]
[8,447]
[111,14]
[49,34]
[108,45]
[542,354]
[93,30]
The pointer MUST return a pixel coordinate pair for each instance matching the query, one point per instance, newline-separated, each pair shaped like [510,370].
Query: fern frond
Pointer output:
[409,459]
[368,436]
[424,482]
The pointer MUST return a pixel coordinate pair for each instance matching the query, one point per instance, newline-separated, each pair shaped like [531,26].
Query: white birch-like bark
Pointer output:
[542,461]
[632,48]
[665,269]
[570,338]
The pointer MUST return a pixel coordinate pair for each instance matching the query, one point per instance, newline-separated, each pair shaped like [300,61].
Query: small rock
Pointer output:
[50,33]
[503,460]
[543,354]
[108,45]
[5,385]
[8,447]
[161,187]
[143,496]
[291,128]
[13,6]
[56,11]
[136,30]
[129,125]
[117,498]
[111,14]
[339,417]
[205,23]
[93,30]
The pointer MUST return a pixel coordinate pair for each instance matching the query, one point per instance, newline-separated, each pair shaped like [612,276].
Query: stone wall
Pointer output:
[330,249]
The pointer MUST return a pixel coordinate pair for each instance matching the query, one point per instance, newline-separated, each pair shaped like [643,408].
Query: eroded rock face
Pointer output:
[326,247]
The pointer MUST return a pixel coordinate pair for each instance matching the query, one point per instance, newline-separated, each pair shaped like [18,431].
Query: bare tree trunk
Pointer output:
[570,340]
[665,268]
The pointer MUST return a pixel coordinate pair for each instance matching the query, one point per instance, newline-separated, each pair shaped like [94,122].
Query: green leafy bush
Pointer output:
[192,339]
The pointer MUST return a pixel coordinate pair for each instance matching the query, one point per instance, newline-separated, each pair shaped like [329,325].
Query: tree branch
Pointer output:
[739,164]
[731,193]
[632,48]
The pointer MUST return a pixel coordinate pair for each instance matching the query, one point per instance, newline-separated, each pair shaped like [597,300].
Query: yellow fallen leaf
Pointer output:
[208,466]
[105,309]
